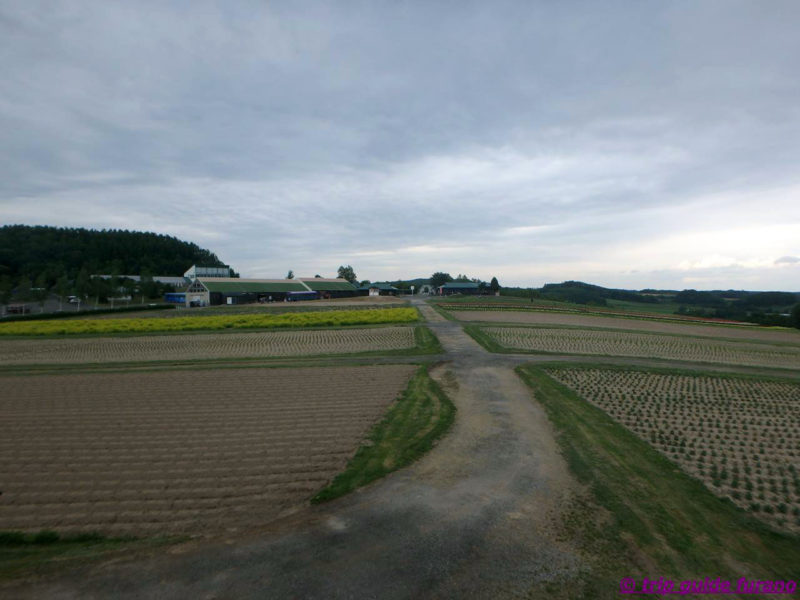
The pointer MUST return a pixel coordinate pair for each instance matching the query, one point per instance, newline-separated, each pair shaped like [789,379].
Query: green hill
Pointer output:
[48,253]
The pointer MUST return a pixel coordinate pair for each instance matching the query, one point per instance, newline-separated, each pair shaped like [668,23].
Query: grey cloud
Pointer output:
[285,133]
[783,260]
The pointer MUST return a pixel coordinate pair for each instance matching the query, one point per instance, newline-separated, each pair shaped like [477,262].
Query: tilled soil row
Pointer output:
[182,451]
[753,333]
[204,346]
[648,345]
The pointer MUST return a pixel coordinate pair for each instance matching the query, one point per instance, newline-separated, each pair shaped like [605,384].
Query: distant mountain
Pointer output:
[48,253]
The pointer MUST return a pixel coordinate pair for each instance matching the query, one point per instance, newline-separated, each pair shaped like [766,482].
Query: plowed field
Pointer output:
[188,451]
[740,437]
[754,333]
[613,343]
[203,346]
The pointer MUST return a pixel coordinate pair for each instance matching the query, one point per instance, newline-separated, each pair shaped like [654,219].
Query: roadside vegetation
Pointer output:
[211,323]
[644,517]
[26,554]
[411,427]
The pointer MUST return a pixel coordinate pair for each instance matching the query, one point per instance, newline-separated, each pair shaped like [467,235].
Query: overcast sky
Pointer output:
[632,144]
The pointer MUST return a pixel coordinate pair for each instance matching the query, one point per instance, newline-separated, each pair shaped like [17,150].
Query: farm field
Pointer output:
[617,343]
[753,332]
[740,437]
[181,451]
[204,346]
[337,318]
[359,303]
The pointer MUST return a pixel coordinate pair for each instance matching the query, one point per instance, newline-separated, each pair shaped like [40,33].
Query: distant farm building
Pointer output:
[378,289]
[209,291]
[196,271]
[329,288]
[453,287]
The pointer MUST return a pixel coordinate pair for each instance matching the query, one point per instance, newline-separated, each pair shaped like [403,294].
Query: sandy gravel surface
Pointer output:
[754,333]
[181,451]
[203,346]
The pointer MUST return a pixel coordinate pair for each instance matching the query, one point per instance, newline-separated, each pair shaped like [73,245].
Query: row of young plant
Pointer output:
[739,436]
[220,322]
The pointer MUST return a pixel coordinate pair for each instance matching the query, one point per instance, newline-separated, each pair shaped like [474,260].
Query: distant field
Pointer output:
[746,332]
[205,346]
[662,308]
[196,323]
[180,451]
[359,303]
[618,343]
[741,437]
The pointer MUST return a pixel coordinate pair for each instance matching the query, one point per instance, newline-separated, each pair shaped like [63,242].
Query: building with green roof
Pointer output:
[210,291]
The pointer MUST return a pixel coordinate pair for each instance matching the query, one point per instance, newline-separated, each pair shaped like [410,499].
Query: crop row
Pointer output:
[741,437]
[180,451]
[203,346]
[613,343]
[239,321]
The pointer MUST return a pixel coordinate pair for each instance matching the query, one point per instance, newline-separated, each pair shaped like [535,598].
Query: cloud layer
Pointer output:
[639,145]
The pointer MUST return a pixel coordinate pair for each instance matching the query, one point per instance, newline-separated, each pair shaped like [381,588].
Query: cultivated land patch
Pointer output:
[333,318]
[365,303]
[204,346]
[740,437]
[618,343]
[180,451]
[753,333]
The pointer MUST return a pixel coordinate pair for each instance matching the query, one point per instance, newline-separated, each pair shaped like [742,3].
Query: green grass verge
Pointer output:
[421,415]
[426,341]
[477,333]
[442,312]
[646,517]
[45,552]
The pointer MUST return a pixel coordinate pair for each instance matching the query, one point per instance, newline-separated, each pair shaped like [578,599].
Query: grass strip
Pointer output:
[646,517]
[421,415]
[23,554]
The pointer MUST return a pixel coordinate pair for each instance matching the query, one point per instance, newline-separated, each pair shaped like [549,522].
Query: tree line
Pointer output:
[36,261]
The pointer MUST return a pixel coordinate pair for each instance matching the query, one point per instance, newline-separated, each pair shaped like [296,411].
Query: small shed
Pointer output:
[379,289]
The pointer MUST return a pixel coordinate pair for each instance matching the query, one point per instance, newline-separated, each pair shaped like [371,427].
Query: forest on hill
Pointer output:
[44,258]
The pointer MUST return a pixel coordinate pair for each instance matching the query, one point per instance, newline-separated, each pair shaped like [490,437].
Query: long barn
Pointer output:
[210,291]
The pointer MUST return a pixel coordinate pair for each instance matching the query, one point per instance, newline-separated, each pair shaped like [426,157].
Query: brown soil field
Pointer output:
[645,345]
[741,437]
[180,452]
[203,346]
[753,333]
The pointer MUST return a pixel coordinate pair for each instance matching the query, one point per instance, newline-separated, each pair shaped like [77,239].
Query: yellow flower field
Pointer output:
[333,318]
